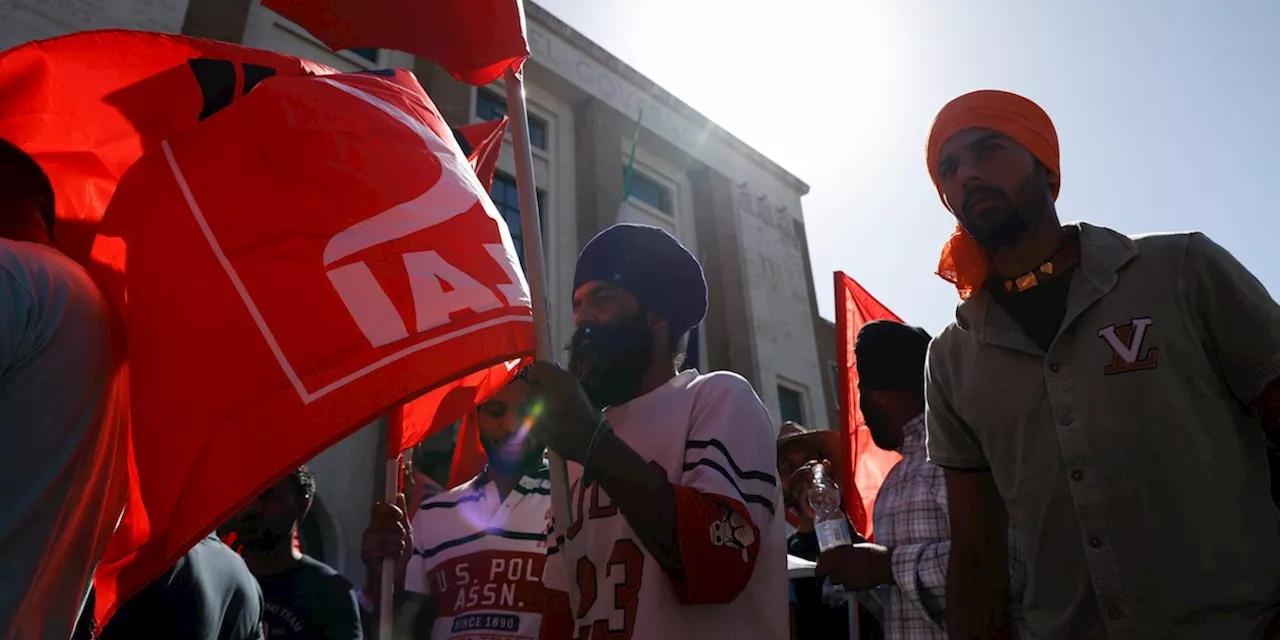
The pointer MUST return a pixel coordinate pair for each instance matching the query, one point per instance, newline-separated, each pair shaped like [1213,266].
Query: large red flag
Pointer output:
[474,40]
[866,463]
[87,105]
[298,263]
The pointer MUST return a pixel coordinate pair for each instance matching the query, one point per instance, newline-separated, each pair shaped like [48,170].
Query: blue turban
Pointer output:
[651,265]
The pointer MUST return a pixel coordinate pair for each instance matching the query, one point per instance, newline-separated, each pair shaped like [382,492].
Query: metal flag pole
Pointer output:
[531,227]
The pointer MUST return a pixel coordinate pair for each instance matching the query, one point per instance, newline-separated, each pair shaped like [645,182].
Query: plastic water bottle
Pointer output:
[829,521]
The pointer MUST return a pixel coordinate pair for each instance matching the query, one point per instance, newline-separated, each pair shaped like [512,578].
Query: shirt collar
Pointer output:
[542,473]
[1102,253]
[913,436]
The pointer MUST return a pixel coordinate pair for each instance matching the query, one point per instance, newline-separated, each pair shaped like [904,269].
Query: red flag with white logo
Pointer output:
[866,463]
[474,40]
[87,105]
[297,264]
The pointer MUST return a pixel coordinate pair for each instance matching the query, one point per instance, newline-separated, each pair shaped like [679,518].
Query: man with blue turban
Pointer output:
[676,529]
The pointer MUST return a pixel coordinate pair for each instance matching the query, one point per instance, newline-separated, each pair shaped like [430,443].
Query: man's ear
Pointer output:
[1050,178]
[660,328]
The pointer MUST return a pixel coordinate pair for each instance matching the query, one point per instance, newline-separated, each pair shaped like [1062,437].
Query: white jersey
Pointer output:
[709,433]
[482,558]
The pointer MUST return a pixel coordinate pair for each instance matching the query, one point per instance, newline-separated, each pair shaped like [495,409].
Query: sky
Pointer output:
[1167,111]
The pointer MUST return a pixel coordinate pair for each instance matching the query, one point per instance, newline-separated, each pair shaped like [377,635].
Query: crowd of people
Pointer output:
[1084,453]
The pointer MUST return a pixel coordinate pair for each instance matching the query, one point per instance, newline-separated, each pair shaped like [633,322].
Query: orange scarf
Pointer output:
[964,262]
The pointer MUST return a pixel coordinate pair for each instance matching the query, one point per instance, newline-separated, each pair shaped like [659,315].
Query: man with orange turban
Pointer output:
[1095,389]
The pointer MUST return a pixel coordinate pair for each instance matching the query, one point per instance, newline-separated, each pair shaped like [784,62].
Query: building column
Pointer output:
[728,324]
[823,333]
[451,97]
[223,20]
[598,133]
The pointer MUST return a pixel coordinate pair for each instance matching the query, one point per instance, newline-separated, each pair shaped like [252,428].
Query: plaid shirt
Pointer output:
[911,519]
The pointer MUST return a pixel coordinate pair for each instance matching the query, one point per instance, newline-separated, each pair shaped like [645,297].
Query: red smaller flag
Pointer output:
[474,40]
[483,146]
[469,457]
[865,463]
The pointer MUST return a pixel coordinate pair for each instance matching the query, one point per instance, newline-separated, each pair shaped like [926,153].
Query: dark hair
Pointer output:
[304,483]
[27,181]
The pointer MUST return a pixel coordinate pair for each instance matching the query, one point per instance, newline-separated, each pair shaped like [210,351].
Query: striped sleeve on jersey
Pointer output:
[730,450]
[728,491]
[749,486]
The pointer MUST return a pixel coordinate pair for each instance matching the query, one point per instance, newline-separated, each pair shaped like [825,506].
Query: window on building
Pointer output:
[368,53]
[491,106]
[506,197]
[835,382]
[648,191]
[791,404]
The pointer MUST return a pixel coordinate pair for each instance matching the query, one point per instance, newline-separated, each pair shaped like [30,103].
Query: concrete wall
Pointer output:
[824,334]
[779,302]
[25,20]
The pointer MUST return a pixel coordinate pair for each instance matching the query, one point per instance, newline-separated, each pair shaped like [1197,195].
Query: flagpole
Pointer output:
[390,487]
[535,267]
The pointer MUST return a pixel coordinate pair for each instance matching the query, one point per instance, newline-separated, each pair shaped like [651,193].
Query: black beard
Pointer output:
[612,365]
[1017,219]
[877,424]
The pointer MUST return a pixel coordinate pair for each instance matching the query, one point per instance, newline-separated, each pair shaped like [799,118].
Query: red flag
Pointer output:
[469,457]
[86,106]
[483,146]
[297,264]
[474,40]
[866,463]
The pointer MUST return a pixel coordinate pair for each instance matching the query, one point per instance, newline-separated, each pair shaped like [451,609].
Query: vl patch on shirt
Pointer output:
[1126,342]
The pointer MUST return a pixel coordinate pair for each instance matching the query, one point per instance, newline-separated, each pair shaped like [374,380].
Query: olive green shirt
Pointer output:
[1127,455]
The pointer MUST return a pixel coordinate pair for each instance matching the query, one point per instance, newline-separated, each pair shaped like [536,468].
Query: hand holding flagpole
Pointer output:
[531,226]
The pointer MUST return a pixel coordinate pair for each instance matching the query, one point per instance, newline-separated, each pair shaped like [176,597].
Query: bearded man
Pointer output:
[677,528]
[1106,393]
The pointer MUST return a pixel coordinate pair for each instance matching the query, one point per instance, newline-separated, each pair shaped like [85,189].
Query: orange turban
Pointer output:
[964,262]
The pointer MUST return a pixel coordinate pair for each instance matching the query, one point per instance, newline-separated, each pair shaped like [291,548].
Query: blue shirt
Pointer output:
[62,447]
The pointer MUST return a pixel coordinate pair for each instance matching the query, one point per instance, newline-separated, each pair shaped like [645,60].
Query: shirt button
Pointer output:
[1115,612]
[1077,475]
[1065,421]
[1095,542]
[1053,368]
